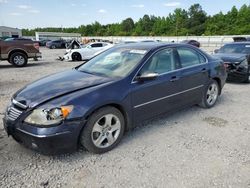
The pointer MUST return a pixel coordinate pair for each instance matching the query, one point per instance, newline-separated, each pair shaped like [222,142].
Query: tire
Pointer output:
[103,130]
[76,56]
[18,59]
[53,47]
[210,95]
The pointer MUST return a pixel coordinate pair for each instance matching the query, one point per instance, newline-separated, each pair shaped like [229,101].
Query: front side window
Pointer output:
[189,57]
[161,62]
[117,62]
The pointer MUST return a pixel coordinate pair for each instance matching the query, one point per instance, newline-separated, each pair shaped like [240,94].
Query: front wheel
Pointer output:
[103,131]
[210,95]
[76,57]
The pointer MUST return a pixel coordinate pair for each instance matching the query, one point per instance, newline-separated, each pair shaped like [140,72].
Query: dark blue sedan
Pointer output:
[95,103]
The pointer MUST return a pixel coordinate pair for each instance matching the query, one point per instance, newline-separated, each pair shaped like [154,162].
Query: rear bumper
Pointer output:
[35,55]
[58,141]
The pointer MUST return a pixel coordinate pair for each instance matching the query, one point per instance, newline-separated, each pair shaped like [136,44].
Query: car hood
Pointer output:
[57,85]
[231,58]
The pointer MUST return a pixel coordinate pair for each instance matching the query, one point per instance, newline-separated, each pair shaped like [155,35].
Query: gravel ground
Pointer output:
[192,148]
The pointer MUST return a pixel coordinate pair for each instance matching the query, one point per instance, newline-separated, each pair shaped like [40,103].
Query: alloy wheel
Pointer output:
[106,130]
[19,60]
[212,94]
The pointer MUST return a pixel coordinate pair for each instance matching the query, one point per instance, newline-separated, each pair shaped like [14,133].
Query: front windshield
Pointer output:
[115,62]
[235,48]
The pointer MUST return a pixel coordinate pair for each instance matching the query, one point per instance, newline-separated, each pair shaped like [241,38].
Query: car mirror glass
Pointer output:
[216,51]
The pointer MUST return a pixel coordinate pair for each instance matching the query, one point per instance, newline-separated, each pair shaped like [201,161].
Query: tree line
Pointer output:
[194,21]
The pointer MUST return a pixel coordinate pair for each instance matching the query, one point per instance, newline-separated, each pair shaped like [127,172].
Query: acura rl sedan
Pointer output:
[93,104]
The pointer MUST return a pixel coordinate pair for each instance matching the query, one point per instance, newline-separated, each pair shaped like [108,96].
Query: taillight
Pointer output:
[36,45]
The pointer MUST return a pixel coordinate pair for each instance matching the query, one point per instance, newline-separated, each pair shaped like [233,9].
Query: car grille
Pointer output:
[13,113]
[15,110]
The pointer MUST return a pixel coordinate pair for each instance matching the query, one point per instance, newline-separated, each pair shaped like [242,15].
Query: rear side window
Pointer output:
[189,57]
[96,45]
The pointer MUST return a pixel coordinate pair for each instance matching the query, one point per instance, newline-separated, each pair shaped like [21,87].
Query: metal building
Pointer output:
[55,35]
[10,32]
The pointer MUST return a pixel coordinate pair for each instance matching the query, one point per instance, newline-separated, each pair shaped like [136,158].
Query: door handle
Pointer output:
[204,70]
[174,78]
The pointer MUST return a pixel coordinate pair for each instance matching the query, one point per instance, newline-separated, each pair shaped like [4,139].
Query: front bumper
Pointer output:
[67,57]
[238,75]
[54,140]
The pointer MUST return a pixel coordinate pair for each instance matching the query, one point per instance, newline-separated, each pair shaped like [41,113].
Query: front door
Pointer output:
[153,97]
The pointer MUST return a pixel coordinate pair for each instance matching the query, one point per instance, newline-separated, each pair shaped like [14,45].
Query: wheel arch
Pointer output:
[218,80]
[17,50]
[75,52]
[117,106]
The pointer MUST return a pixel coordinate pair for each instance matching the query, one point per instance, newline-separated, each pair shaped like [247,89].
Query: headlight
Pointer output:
[48,116]
[245,63]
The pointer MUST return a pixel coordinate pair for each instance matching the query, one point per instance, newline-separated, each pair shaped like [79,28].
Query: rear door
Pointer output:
[194,74]
[150,98]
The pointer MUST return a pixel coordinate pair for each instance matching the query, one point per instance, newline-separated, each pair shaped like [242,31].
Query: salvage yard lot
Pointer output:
[191,148]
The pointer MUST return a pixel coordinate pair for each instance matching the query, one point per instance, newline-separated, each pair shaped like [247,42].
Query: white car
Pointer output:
[87,51]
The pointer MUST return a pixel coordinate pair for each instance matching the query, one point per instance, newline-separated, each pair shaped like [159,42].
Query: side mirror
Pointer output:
[147,77]
[216,51]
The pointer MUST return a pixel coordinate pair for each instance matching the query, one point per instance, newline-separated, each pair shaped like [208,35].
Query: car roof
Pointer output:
[150,45]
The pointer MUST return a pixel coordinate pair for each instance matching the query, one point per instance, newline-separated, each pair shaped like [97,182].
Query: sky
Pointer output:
[73,13]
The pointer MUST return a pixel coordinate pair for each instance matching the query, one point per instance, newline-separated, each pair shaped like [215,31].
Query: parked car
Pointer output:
[236,57]
[191,42]
[241,39]
[56,44]
[43,42]
[87,51]
[17,52]
[96,102]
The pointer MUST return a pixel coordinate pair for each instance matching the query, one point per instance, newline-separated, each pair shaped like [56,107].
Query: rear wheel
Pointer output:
[18,59]
[210,95]
[103,131]
[76,56]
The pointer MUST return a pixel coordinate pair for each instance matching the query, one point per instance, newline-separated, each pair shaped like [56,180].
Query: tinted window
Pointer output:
[161,62]
[189,57]
[96,45]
